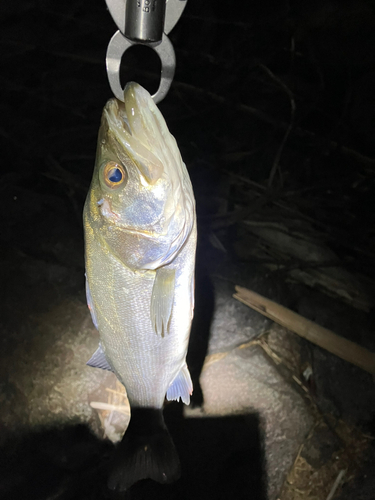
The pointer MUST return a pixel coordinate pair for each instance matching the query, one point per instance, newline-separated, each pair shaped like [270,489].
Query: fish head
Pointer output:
[140,200]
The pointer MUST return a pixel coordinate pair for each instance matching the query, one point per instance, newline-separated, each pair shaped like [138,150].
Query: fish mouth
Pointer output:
[139,128]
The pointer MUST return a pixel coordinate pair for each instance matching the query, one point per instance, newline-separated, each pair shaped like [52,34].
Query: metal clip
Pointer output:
[144,22]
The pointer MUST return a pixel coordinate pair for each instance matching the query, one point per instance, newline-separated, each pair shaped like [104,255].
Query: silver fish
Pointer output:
[140,241]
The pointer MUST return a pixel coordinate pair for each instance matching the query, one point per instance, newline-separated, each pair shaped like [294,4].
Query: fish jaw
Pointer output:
[148,219]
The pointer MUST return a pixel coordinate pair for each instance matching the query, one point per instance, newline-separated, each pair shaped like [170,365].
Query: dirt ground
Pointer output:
[273,108]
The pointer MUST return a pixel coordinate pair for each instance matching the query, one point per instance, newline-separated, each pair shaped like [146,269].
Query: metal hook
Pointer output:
[119,44]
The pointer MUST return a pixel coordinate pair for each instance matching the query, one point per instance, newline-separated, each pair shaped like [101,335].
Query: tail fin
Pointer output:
[146,451]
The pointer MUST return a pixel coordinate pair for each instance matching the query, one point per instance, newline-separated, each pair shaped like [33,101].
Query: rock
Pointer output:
[246,381]
[319,449]
[232,323]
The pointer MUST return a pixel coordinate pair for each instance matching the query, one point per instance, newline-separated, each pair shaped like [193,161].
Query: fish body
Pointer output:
[140,241]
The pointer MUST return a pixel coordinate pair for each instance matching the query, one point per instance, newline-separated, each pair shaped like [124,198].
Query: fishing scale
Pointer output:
[143,22]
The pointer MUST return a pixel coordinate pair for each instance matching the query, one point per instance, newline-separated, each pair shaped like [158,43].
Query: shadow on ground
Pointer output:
[200,330]
[221,458]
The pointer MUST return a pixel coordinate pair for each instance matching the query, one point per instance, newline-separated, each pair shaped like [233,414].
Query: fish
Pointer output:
[140,242]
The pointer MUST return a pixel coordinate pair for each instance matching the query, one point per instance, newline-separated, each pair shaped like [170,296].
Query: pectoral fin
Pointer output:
[98,360]
[162,299]
[181,387]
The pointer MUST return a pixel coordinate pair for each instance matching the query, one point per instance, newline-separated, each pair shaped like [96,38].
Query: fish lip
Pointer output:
[115,114]
[122,114]
[118,108]
[133,132]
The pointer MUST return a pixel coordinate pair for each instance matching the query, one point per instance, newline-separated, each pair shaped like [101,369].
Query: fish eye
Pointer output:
[114,174]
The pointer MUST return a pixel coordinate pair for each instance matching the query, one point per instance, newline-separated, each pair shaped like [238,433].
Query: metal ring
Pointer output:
[116,49]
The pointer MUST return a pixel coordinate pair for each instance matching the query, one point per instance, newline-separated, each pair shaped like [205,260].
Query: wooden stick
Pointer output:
[309,330]
[98,405]
[336,484]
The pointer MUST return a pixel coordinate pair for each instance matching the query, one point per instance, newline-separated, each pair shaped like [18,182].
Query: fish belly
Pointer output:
[145,362]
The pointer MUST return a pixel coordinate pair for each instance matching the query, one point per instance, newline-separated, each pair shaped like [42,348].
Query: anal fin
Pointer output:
[162,299]
[98,360]
[181,387]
